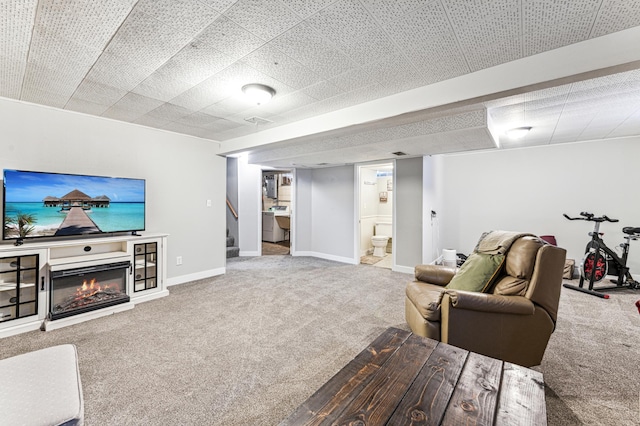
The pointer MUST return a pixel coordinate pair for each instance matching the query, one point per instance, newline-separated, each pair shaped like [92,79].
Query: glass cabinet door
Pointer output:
[18,287]
[146,266]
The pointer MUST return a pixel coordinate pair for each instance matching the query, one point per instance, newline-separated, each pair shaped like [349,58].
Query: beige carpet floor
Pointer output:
[248,347]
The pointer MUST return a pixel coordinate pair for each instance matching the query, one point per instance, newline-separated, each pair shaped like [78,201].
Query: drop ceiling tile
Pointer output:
[330,64]
[540,13]
[62,82]
[11,76]
[91,23]
[288,102]
[196,62]
[43,97]
[265,18]
[386,12]
[489,56]
[169,112]
[219,5]
[137,103]
[121,114]
[426,24]
[235,104]
[550,24]
[204,94]
[98,93]
[162,86]
[630,127]
[273,63]
[16,26]
[178,127]
[352,79]
[392,69]
[86,107]
[306,8]
[55,53]
[117,71]
[216,110]
[343,21]
[322,90]
[187,16]
[222,126]
[146,41]
[149,121]
[301,43]
[369,48]
[230,38]
[197,119]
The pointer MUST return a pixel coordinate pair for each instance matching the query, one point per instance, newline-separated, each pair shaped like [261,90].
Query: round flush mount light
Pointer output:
[518,132]
[258,93]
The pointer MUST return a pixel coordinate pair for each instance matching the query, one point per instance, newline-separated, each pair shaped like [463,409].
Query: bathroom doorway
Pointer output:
[376,214]
[277,205]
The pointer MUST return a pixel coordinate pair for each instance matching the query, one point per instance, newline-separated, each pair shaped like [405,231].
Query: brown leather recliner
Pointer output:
[513,321]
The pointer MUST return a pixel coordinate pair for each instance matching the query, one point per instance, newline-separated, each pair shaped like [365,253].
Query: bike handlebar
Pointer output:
[590,217]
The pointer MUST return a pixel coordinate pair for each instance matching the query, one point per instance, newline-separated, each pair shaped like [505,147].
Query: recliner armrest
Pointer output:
[434,274]
[484,302]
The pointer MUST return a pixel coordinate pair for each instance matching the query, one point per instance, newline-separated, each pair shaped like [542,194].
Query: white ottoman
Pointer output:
[42,388]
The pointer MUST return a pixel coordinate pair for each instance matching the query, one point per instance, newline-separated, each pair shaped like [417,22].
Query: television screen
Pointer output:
[37,204]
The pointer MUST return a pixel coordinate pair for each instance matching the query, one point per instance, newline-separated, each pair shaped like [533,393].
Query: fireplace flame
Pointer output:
[91,287]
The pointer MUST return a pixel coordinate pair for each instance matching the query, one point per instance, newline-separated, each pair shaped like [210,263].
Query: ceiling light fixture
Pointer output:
[258,93]
[518,132]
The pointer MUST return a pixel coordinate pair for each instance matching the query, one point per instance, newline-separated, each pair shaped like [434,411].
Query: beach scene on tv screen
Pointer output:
[48,204]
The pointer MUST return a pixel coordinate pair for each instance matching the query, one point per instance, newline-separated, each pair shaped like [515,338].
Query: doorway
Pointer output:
[276,212]
[375,219]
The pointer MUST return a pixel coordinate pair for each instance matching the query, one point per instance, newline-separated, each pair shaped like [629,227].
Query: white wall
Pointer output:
[181,173]
[249,208]
[432,201]
[408,214]
[529,189]
[326,196]
[302,226]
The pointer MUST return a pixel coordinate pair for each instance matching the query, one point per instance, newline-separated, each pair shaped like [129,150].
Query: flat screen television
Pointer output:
[39,204]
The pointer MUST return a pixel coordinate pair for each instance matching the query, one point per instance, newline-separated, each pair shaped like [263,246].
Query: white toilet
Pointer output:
[383,231]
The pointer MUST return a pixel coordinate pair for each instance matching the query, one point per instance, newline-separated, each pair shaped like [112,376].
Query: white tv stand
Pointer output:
[31,263]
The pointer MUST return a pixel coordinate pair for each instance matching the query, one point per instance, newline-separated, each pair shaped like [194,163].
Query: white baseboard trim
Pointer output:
[249,253]
[197,276]
[48,325]
[152,296]
[21,328]
[403,269]
[327,257]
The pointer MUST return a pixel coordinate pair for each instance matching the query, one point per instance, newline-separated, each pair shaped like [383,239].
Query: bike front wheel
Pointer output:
[595,263]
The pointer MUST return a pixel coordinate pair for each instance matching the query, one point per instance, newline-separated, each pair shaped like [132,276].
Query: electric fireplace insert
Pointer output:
[79,290]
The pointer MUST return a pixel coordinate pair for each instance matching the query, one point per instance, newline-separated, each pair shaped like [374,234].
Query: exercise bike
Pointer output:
[600,261]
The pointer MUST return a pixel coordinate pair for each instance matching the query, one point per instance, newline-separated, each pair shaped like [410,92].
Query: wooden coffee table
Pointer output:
[404,379]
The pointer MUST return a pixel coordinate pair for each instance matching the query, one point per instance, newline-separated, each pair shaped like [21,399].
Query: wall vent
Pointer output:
[257,120]
[399,153]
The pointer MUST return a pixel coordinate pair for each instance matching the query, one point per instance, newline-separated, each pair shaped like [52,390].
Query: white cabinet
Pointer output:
[271,232]
[26,271]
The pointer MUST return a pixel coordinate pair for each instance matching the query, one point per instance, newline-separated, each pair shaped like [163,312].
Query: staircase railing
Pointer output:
[233,211]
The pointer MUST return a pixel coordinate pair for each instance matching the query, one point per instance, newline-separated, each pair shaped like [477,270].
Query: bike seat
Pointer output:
[631,231]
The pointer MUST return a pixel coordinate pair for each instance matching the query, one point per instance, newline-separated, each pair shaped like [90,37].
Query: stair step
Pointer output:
[230,241]
[233,252]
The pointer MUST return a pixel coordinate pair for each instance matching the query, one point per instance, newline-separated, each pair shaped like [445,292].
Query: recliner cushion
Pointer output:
[477,273]
[522,257]
[426,298]
[511,286]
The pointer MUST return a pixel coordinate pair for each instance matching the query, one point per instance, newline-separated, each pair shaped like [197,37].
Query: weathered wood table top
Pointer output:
[404,379]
